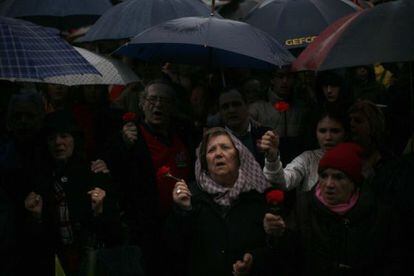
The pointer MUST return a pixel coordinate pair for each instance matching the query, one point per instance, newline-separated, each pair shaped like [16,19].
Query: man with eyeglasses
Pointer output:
[146,146]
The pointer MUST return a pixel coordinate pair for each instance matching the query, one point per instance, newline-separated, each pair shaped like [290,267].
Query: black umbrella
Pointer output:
[383,33]
[208,41]
[131,17]
[295,23]
[60,14]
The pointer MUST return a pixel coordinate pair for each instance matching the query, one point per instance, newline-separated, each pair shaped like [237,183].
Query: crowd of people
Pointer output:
[170,176]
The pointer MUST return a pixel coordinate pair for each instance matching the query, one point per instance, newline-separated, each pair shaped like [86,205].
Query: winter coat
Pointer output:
[217,236]
[361,242]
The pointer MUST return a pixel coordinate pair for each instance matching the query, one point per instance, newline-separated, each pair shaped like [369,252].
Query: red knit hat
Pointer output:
[346,157]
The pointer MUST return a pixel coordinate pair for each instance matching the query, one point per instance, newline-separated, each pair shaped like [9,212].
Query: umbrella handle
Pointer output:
[213,4]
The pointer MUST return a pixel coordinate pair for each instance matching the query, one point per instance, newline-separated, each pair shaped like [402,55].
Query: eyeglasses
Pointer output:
[162,100]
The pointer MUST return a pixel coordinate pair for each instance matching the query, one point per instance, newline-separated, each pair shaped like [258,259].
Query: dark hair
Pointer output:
[332,78]
[229,90]
[212,132]
[333,114]
[24,96]
[337,115]
[63,121]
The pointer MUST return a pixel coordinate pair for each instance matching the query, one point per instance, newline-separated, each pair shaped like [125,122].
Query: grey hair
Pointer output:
[144,93]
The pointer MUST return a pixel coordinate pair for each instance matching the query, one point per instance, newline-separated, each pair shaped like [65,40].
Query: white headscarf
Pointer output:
[250,177]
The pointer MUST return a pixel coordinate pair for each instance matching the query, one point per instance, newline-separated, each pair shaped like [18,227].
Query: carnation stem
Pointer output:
[172,177]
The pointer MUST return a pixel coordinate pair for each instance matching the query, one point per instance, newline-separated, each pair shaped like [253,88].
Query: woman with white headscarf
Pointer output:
[220,216]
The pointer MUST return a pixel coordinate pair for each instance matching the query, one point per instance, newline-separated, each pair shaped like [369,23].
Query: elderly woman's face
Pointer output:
[222,160]
[336,187]
[61,146]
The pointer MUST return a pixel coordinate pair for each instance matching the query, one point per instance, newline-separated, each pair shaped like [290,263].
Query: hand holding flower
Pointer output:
[182,195]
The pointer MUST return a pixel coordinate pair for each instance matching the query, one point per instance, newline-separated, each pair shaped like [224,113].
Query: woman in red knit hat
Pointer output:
[337,228]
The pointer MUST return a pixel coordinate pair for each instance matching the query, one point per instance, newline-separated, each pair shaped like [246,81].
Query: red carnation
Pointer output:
[275,197]
[164,171]
[129,117]
[281,106]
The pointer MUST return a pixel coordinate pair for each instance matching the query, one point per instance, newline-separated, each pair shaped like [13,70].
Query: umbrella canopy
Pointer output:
[295,23]
[29,52]
[112,72]
[61,14]
[383,33]
[237,10]
[210,41]
[129,18]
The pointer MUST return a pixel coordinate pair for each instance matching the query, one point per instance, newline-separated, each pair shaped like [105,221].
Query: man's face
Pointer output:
[331,92]
[157,105]
[361,73]
[233,110]
[283,83]
[56,92]
[25,121]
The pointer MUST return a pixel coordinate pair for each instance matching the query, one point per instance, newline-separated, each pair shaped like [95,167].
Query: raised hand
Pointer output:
[34,204]
[182,195]
[269,144]
[97,197]
[129,133]
[98,166]
[243,267]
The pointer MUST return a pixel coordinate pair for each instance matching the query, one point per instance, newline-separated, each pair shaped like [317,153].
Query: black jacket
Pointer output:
[361,242]
[216,236]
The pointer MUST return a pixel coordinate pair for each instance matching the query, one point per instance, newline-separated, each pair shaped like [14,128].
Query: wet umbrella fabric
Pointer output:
[31,52]
[295,23]
[383,33]
[131,17]
[208,41]
[112,72]
[60,14]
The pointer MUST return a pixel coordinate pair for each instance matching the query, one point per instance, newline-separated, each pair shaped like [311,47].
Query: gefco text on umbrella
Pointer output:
[299,41]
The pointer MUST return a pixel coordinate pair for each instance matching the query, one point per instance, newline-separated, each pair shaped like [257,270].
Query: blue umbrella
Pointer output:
[29,52]
[60,14]
[295,23]
[208,41]
[131,17]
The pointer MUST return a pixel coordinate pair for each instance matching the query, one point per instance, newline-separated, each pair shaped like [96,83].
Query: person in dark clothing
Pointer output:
[7,235]
[363,85]
[135,158]
[218,218]
[331,91]
[19,150]
[235,117]
[340,227]
[71,206]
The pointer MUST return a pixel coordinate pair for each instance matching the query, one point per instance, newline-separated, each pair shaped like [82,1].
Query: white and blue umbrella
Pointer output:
[29,52]
[60,14]
[131,17]
[112,72]
[208,41]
